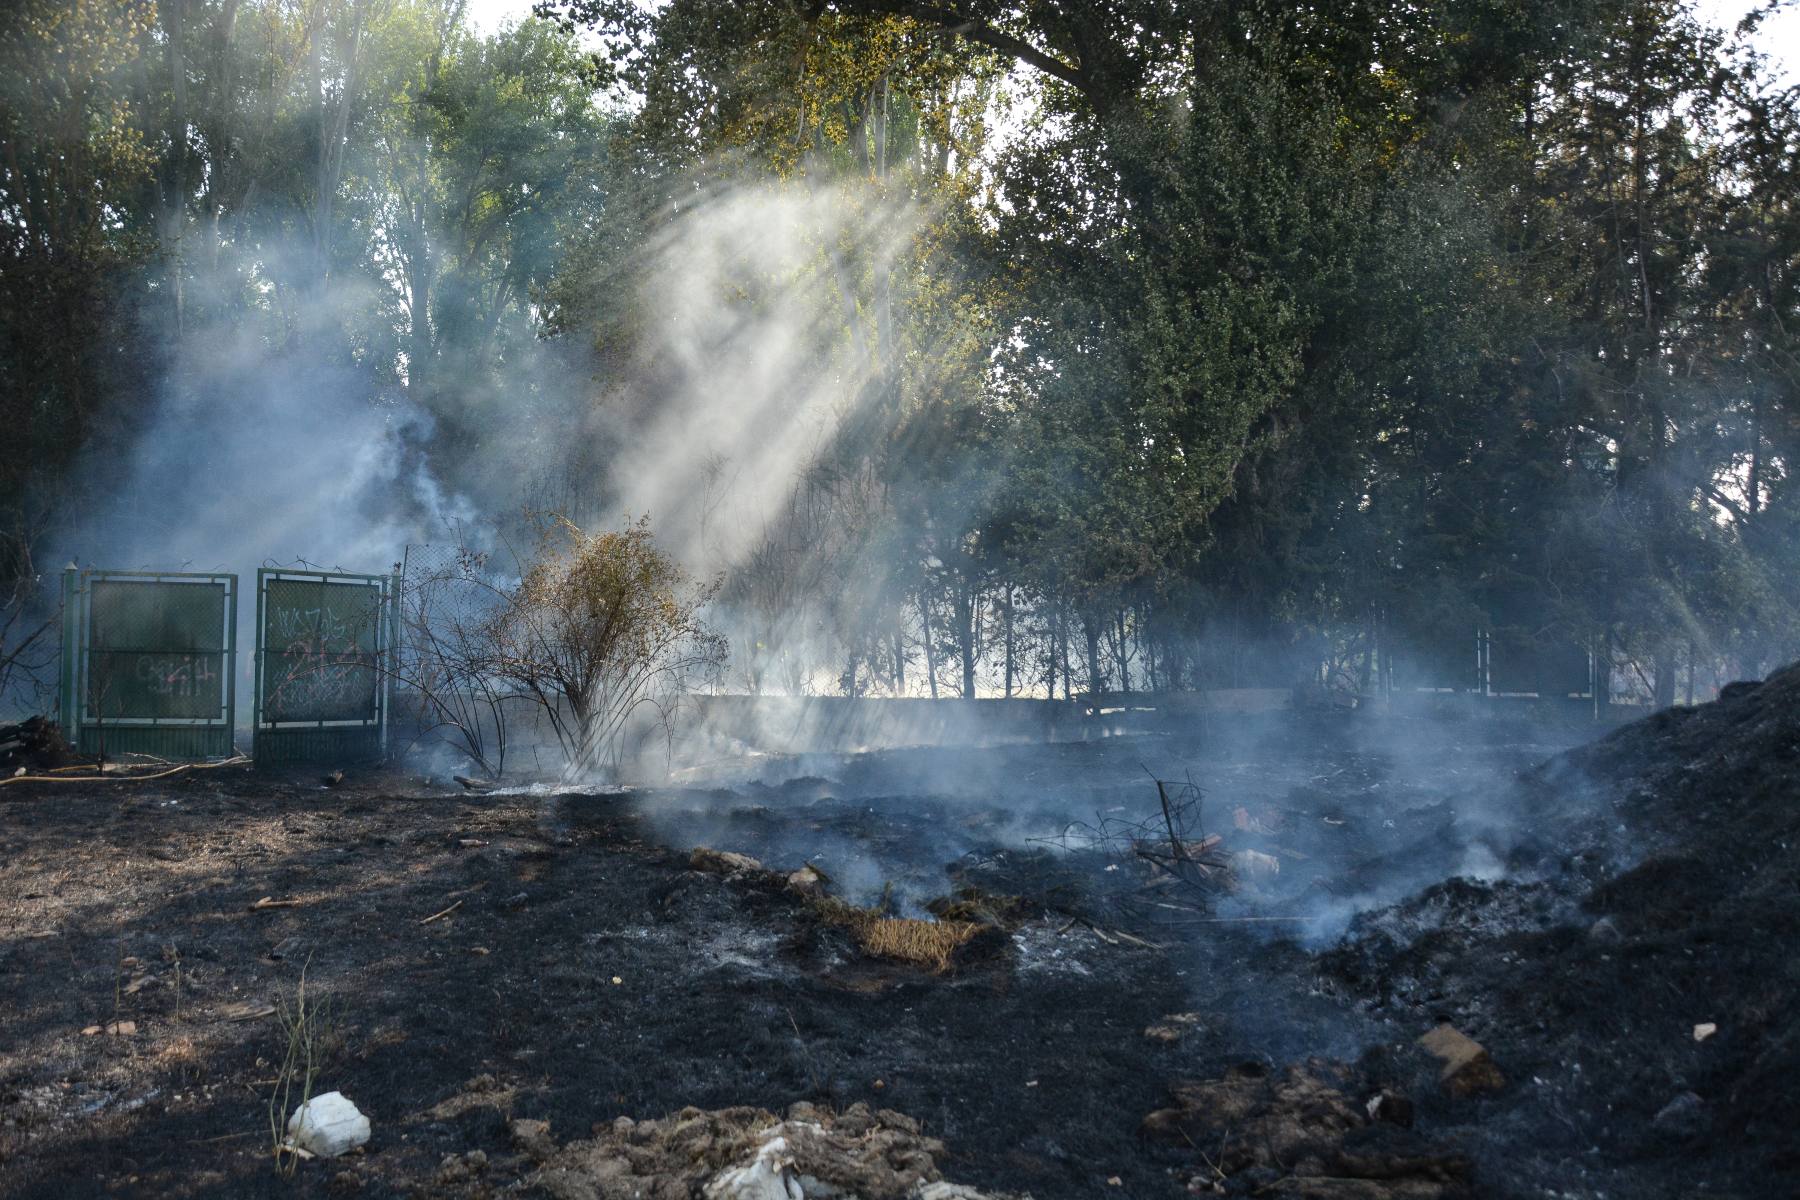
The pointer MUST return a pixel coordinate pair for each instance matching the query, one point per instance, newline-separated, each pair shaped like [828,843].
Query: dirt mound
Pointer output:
[1658,894]
[751,1154]
[1300,1133]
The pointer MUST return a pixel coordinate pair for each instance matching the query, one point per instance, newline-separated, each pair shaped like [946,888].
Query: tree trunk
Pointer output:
[1062,639]
[930,646]
[1664,677]
[1008,689]
[1095,681]
[965,637]
[1124,653]
[174,215]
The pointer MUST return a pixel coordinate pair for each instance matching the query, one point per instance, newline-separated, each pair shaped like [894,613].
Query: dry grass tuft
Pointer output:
[927,944]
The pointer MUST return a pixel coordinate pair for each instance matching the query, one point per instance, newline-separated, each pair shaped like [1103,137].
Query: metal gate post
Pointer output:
[231,656]
[257,650]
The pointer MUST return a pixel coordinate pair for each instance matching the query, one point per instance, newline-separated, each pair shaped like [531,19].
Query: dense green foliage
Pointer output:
[1228,343]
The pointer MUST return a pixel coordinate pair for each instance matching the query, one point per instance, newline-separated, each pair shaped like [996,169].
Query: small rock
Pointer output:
[1704,1030]
[328,1126]
[1173,1027]
[533,1137]
[1606,931]
[807,881]
[722,862]
[1392,1107]
[1467,1070]
[1684,1116]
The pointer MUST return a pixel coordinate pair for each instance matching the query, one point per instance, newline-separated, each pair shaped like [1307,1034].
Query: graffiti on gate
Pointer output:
[322,655]
[179,676]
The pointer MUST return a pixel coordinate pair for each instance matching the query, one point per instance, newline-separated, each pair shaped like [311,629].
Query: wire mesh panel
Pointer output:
[150,660]
[321,671]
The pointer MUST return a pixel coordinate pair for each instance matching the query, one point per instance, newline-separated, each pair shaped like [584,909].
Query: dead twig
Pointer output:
[1175,843]
[438,916]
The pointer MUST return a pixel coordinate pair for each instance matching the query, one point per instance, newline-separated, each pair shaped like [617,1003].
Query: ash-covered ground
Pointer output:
[1248,1026]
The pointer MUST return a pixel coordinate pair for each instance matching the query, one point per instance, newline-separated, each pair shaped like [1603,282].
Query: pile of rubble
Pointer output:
[1301,1133]
[810,1153]
[31,745]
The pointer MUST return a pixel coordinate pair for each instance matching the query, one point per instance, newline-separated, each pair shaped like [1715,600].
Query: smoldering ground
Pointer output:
[1033,1062]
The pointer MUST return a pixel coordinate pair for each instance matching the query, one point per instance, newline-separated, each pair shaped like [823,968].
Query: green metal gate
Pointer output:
[149,662]
[323,679]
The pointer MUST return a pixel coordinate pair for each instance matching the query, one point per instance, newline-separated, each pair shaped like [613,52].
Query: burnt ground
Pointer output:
[724,995]
[586,973]
[1655,890]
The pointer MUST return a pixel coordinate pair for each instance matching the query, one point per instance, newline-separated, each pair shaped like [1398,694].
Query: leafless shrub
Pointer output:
[1187,867]
[308,1033]
[28,626]
[446,666]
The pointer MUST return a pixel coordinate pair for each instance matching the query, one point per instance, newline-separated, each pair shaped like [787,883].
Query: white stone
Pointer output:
[328,1126]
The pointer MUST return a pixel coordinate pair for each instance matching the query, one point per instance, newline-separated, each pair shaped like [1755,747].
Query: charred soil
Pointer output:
[554,994]
[584,973]
[1635,975]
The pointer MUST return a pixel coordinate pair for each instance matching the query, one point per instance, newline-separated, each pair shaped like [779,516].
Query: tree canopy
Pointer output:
[1121,345]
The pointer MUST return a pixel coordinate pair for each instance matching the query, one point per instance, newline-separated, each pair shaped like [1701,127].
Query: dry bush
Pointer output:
[596,629]
[600,627]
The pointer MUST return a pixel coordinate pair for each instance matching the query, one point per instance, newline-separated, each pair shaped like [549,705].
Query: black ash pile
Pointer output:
[1634,974]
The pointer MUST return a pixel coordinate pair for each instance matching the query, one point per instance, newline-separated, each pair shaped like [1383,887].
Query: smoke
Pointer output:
[1359,811]
[254,456]
[753,358]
